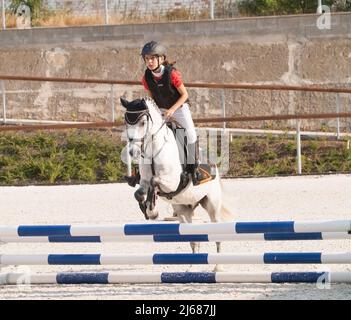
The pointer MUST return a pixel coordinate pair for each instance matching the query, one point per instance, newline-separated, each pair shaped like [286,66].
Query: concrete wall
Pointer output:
[284,50]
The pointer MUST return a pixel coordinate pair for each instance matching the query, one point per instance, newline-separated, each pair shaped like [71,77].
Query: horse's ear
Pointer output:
[143,101]
[124,102]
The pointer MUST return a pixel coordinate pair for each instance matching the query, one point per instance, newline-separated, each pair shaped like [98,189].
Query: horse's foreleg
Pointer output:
[151,210]
[140,196]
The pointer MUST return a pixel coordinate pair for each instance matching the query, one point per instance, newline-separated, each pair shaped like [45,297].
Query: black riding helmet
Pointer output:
[155,49]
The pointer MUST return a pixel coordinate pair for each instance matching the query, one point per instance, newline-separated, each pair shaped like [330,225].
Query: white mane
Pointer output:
[155,114]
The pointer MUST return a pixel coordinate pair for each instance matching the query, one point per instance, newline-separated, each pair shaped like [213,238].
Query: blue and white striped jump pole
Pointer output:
[272,236]
[177,258]
[177,229]
[175,277]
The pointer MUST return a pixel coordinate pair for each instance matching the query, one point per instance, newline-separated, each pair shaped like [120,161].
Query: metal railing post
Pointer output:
[298,147]
[112,103]
[319,7]
[337,119]
[3,14]
[223,107]
[106,12]
[3,101]
[212,9]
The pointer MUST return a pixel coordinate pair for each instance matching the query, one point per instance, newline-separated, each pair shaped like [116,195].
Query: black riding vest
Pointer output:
[163,91]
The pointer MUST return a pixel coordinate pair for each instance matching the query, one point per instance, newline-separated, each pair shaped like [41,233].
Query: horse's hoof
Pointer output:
[139,195]
[152,215]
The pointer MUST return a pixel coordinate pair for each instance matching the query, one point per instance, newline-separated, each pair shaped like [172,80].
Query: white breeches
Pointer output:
[183,116]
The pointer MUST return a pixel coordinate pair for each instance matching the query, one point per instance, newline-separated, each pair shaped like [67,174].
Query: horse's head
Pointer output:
[142,119]
[137,120]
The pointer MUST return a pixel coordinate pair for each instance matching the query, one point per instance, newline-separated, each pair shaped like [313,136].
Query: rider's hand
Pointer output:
[169,113]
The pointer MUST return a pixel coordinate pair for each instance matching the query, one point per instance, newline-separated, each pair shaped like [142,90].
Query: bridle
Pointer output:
[155,189]
[135,121]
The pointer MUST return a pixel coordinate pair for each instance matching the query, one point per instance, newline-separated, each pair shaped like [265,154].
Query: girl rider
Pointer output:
[164,84]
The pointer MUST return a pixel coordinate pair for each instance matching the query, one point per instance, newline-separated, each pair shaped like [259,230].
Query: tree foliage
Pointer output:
[35,6]
[281,7]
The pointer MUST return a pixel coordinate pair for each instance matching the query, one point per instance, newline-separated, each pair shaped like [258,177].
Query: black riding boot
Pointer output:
[194,162]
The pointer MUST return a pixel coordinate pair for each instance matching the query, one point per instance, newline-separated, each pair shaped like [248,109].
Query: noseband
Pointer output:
[132,118]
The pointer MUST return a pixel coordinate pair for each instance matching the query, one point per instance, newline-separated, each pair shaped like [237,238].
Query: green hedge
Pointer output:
[269,156]
[73,156]
[88,156]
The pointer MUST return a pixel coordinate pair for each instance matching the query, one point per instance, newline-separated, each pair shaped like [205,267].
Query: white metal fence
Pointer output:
[112,11]
[226,133]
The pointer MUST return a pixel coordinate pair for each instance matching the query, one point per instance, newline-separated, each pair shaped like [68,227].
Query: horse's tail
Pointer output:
[226,215]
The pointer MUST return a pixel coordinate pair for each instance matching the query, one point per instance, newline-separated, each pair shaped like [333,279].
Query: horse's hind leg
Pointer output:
[213,208]
[185,215]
